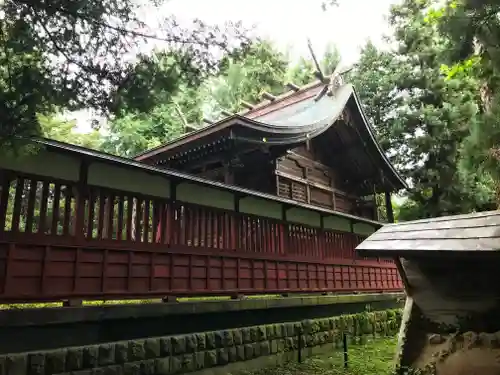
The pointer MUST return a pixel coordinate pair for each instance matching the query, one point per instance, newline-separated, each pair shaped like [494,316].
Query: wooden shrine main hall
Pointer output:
[273,199]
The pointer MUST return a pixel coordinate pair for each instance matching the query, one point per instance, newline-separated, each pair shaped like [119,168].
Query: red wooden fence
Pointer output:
[59,240]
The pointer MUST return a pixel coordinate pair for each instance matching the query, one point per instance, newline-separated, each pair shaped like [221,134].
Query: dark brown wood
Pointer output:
[16,214]
[388,207]
[81,192]
[56,209]
[31,206]
[4,199]
[42,228]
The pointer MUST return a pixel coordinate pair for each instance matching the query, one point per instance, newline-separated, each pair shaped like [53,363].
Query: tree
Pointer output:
[77,54]
[422,116]
[132,131]
[474,28]
[53,127]
[246,75]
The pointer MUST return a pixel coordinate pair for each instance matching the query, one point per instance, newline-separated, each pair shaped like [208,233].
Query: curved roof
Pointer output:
[294,122]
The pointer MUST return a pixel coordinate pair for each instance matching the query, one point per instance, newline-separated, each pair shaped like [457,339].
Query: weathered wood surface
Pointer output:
[472,232]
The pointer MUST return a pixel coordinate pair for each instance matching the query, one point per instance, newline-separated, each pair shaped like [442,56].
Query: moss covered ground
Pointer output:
[374,358]
[129,301]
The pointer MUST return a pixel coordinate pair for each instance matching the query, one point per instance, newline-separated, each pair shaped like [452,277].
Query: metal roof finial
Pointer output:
[331,82]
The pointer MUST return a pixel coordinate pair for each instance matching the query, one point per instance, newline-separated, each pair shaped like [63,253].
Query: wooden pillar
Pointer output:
[388,207]
[228,174]
[80,196]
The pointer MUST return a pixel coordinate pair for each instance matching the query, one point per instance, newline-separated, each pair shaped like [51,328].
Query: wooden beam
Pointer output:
[388,207]
[226,113]
[268,96]
[293,86]
[247,105]
[207,121]
[314,184]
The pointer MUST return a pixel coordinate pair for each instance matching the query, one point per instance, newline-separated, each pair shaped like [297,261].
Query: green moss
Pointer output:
[210,358]
[136,351]
[178,344]
[55,361]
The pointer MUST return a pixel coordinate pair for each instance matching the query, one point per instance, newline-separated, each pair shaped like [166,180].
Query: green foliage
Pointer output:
[65,131]
[245,76]
[374,358]
[79,54]
[422,115]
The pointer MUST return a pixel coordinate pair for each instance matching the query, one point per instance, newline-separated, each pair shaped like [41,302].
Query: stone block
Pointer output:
[282,330]
[210,336]
[254,333]
[152,348]
[188,363]
[162,366]
[219,339]
[136,351]
[106,354]
[176,364]
[228,338]
[265,348]
[222,356]
[307,326]
[201,341]
[290,329]
[90,356]
[132,368]
[240,353]
[121,352]
[324,324]
[74,359]
[165,346]
[55,361]
[210,358]
[281,345]
[233,354]
[249,354]
[179,344]
[86,372]
[237,336]
[261,333]
[247,335]
[270,332]
[191,343]
[256,349]
[108,370]
[199,358]
[147,367]
[36,364]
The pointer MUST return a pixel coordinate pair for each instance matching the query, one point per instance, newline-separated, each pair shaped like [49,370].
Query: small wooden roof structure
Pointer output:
[476,232]
[280,123]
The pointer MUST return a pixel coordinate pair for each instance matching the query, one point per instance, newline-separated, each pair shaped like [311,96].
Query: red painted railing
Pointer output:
[59,240]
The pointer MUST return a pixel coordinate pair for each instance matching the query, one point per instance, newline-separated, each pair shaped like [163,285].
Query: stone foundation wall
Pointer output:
[208,352]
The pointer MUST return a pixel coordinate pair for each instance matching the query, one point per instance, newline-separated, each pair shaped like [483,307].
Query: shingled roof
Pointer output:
[458,233]
[287,120]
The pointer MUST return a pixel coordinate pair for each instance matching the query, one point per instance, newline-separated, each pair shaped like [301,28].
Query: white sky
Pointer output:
[288,23]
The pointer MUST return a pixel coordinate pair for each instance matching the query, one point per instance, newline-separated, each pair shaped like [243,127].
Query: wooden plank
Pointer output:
[450,218]
[482,244]
[492,231]
[473,222]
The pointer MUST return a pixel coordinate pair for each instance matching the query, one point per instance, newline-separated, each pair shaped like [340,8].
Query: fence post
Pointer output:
[346,358]
[81,191]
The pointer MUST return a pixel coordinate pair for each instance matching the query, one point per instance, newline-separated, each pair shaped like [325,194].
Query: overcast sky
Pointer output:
[289,23]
